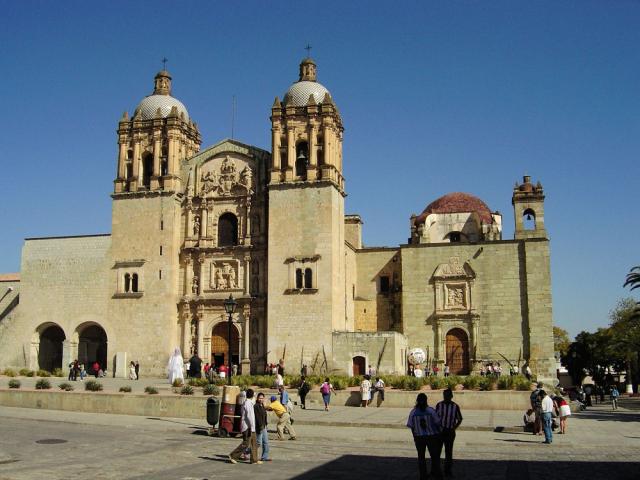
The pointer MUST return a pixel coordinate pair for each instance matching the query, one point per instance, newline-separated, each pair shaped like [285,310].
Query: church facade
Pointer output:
[192,226]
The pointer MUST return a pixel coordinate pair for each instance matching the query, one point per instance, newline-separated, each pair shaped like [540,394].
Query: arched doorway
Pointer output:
[359,366]
[92,346]
[220,345]
[50,348]
[457,349]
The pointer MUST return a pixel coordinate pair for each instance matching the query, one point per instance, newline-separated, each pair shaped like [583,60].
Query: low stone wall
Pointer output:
[195,406]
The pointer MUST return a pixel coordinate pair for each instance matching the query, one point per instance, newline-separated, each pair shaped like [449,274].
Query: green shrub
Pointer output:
[151,390]
[9,372]
[31,373]
[186,390]
[211,390]
[43,384]
[399,382]
[125,389]
[67,387]
[202,382]
[413,383]
[177,383]
[487,383]
[437,383]
[43,373]
[24,372]
[504,383]
[220,382]
[339,383]
[241,381]
[57,372]
[192,382]
[266,381]
[452,380]
[355,381]
[471,382]
[13,383]
[521,383]
[93,386]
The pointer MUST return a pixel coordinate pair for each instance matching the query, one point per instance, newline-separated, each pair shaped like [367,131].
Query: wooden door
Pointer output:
[457,349]
[220,344]
[359,366]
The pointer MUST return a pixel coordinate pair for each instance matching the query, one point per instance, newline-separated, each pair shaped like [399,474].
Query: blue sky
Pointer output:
[435,97]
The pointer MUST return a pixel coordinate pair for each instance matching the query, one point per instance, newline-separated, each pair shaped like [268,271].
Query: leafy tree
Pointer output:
[561,340]
[590,354]
[625,342]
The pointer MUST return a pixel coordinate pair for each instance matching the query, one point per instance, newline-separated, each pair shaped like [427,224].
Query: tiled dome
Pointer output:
[457,202]
[298,93]
[149,105]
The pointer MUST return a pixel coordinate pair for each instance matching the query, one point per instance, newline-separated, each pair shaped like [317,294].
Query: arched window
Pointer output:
[147,169]
[127,282]
[298,278]
[308,278]
[302,160]
[134,282]
[529,219]
[227,230]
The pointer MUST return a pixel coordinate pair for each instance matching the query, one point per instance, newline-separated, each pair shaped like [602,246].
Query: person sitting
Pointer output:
[529,420]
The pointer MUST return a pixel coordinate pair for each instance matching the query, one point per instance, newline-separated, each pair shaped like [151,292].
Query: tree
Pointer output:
[633,281]
[625,342]
[590,354]
[561,340]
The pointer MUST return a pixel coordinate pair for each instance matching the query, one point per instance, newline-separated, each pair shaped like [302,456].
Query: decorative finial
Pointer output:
[308,49]
[164,63]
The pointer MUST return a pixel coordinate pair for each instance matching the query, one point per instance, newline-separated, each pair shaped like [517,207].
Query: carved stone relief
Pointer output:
[225,181]
[456,297]
[224,275]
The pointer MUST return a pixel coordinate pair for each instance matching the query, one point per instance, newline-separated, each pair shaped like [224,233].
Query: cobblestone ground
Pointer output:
[64,445]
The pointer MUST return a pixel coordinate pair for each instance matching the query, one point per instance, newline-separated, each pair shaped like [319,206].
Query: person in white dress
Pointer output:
[365,390]
[176,363]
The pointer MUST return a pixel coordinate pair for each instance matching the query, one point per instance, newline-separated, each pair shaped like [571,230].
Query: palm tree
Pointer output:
[633,281]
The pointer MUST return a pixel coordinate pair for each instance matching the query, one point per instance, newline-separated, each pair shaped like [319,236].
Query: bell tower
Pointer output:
[146,224]
[306,243]
[154,142]
[528,209]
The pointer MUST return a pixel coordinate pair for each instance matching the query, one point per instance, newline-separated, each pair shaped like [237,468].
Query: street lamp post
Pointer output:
[229,307]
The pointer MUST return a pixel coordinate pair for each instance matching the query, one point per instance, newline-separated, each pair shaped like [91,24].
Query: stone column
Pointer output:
[325,144]
[276,148]
[245,362]
[206,345]
[203,222]
[313,153]
[136,165]
[291,153]
[185,327]
[247,273]
[122,159]
[172,155]
[200,336]
[157,151]
[188,273]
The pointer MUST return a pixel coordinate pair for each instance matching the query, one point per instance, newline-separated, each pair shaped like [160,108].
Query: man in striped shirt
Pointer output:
[450,418]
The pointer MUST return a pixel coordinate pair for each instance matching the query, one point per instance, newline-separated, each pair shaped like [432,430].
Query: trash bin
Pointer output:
[213,411]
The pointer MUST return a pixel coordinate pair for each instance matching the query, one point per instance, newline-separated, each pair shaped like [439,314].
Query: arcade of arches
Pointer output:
[51,348]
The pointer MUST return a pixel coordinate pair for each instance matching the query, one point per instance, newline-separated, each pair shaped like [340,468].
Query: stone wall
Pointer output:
[387,347]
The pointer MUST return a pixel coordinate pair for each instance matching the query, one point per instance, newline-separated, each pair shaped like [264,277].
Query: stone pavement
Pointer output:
[68,445]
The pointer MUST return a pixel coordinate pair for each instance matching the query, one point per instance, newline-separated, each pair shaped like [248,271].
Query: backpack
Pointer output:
[325,389]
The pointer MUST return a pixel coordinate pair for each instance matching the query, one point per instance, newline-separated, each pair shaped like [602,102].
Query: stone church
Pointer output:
[192,226]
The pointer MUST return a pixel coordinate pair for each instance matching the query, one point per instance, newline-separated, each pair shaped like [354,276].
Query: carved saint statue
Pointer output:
[232,277]
[221,283]
[196,226]
[456,297]
[209,182]
[194,285]
[246,177]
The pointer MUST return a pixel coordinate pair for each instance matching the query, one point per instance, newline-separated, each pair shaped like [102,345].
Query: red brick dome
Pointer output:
[457,202]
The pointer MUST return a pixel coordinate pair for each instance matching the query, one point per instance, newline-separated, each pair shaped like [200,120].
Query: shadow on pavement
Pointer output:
[609,416]
[351,467]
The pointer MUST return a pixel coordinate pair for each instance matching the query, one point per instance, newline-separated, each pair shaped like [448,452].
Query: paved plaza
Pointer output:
[66,445]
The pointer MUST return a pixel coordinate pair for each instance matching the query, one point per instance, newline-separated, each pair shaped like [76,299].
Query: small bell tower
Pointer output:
[528,209]
[307,133]
[154,142]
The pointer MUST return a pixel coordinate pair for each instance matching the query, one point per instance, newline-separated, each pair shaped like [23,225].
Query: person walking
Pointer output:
[303,389]
[195,366]
[137,370]
[536,404]
[284,419]
[425,426]
[446,370]
[564,412]
[83,372]
[365,391]
[175,366]
[450,418]
[379,387]
[132,371]
[248,429]
[325,389]
[547,414]
[96,368]
[262,434]
[614,397]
